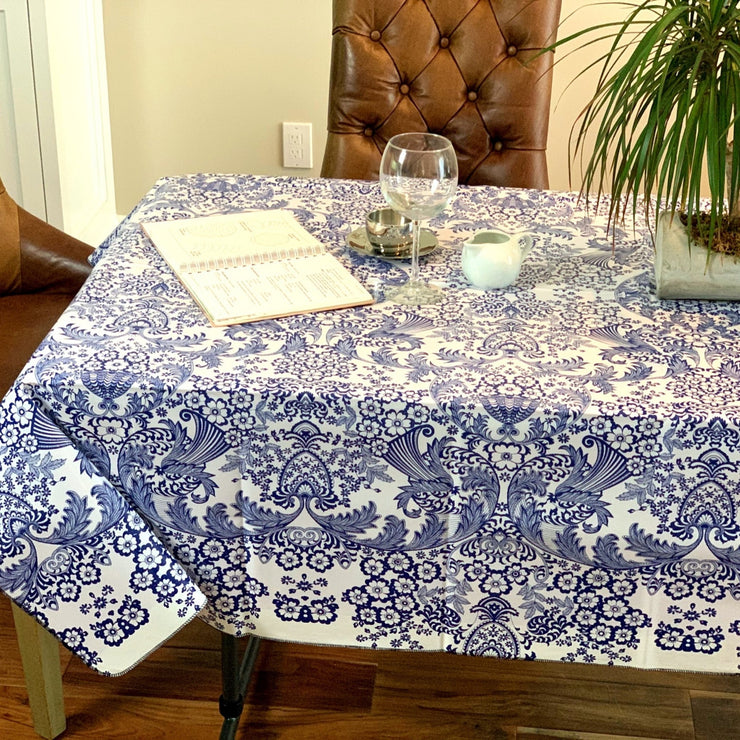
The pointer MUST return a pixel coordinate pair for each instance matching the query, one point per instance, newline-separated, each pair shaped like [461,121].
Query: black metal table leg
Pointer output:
[235,678]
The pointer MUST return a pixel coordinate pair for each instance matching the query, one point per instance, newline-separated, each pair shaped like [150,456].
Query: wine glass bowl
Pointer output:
[418,177]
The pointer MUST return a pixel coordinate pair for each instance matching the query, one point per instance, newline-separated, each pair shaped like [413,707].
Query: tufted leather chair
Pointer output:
[465,69]
[41,269]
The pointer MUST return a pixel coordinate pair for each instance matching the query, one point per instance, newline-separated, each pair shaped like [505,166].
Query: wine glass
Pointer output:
[418,177]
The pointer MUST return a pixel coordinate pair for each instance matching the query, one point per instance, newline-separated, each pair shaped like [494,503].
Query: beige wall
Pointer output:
[574,80]
[200,86]
[204,86]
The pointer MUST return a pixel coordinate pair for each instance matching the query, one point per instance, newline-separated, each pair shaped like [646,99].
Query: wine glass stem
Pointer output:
[415,253]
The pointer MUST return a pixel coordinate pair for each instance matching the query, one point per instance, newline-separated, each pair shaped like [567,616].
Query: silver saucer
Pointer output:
[358,241]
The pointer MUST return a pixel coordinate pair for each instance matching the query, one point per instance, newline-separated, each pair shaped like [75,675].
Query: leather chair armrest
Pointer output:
[51,261]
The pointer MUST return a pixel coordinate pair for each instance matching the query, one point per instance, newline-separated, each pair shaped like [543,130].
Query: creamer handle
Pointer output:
[525,243]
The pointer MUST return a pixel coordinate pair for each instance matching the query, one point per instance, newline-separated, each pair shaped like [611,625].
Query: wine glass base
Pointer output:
[415,293]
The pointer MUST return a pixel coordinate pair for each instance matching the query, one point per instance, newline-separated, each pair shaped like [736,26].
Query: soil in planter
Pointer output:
[726,238]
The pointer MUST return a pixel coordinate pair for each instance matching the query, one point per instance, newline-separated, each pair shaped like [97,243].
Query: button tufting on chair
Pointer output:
[468,70]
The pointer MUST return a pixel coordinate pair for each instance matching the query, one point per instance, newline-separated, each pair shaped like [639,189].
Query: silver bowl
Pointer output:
[389,233]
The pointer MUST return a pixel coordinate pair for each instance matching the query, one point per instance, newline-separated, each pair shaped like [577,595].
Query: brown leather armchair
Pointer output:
[41,269]
[467,69]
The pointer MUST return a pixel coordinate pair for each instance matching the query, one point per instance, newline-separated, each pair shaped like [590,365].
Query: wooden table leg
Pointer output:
[42,669]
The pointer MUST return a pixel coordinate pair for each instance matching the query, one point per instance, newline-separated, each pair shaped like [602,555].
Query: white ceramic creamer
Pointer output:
[493,258]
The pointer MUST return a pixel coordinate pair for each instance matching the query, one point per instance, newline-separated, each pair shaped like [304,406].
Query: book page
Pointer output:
[273,289]
[225,240]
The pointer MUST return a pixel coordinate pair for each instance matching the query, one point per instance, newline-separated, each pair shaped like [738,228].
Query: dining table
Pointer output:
[546,471]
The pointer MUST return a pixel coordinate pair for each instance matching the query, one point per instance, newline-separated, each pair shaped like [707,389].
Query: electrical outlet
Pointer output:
[297,150]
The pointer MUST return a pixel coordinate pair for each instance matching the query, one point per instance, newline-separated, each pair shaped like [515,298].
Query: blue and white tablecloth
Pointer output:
[549,471]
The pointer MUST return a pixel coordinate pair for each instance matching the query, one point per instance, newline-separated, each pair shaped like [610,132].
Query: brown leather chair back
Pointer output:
[465,69]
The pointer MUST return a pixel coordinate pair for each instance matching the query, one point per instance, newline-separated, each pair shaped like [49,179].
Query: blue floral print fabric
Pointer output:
[548,471]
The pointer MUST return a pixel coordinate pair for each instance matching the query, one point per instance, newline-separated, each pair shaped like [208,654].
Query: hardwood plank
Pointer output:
[570,706]
[15,714]
[288,725]
[443,689]
[323,683]
[112,717]
[535,700]
[523,670]
[716,716]
[178,673]
[529,733]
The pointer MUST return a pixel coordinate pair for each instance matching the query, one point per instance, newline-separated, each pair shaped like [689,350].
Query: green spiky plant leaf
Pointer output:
[666,106]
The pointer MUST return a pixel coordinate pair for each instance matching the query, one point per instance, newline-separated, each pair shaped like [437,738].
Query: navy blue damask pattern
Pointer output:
[550,471]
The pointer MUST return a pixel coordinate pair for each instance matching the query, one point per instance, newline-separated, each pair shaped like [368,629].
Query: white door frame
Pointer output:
[58,159]
[20,145]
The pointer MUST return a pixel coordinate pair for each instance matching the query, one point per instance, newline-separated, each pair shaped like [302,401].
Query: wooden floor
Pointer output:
[326,693]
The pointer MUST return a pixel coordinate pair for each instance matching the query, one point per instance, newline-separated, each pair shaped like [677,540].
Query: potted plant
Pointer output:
[666,109]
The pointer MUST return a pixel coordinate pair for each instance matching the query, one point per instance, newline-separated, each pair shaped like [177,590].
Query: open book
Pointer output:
[243,267]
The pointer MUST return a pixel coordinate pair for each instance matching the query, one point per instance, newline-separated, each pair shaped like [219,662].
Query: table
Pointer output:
[550,471]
